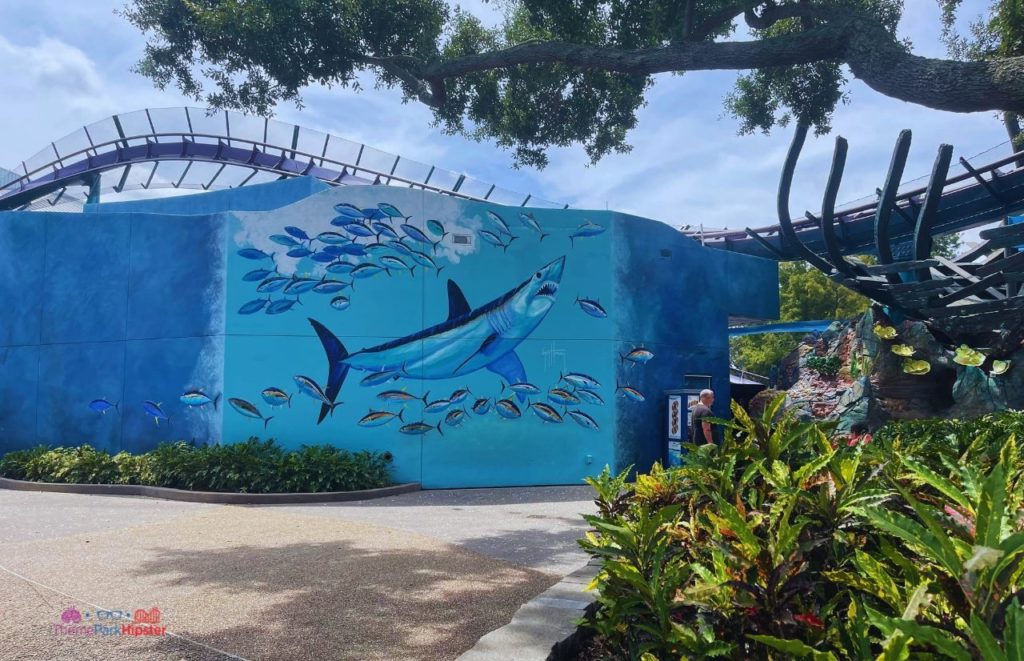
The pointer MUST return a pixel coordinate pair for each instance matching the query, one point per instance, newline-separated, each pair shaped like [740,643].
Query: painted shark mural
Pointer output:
[469,340]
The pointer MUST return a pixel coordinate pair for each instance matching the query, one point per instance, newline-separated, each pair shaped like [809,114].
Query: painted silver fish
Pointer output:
[419,428]
[521,388]
[102,406]
[378,378]
[631,393]
[562,396]
[585,230]
[526,218]
[455,418]
[281,305]
[153,409]
[400,396]
[276,397]
[545,412]
[584,420]
[591,307]
[197,398]
[506,408]
[254,306]
[580,380]
[310,387]
[639,355]
[437,406]
[378,418]
[499,222]
[248,409]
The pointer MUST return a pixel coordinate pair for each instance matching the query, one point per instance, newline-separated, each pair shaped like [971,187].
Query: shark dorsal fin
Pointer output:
[457,304]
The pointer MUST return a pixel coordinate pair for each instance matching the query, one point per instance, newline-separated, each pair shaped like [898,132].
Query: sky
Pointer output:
[65,64]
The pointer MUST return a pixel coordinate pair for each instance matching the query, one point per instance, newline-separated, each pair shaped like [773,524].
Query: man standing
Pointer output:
[700,428]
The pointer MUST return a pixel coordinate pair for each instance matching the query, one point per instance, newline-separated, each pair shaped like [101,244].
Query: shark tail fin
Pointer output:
[266,421]
[425,396]
[216,400]
[289,400]
[439,429]
[400,412]
[336,369]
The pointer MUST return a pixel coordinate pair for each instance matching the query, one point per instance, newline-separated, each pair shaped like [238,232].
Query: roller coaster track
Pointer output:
[191,148]
[978,196]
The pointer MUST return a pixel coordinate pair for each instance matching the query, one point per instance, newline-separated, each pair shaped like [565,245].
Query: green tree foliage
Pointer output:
[997,35]
[805,294]
[556,72]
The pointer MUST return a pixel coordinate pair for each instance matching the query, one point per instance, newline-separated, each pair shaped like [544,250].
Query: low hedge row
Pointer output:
[253,466]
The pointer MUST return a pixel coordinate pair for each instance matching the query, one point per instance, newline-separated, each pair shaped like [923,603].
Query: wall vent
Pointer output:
[462,239]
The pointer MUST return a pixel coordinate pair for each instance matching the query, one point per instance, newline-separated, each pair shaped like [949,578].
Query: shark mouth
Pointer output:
[548,289]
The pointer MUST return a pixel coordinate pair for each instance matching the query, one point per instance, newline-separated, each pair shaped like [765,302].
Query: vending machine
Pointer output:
[679,405]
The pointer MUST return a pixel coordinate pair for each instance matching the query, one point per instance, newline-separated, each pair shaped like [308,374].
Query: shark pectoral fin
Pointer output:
[457,304]
[491,339]
[510,368]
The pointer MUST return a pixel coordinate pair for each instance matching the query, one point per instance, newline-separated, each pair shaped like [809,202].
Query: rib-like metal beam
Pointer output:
[922,246]
[888,198]
[785,185]
[828,208]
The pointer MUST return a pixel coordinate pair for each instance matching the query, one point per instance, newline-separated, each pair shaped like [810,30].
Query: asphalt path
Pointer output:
[416,576]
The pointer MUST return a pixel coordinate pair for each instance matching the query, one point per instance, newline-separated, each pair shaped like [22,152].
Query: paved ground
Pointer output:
[417,576]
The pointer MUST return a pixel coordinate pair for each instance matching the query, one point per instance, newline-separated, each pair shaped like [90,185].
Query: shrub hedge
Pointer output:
[253,466]
[786,543]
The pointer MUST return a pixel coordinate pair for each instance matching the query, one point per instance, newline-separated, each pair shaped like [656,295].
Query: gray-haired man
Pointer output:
[700,428]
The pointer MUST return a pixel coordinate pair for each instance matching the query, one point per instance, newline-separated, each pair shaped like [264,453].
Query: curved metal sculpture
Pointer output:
[975,197]
[254,149]
[964,300]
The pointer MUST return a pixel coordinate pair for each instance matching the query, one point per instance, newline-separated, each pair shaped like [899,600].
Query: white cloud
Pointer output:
[59,71]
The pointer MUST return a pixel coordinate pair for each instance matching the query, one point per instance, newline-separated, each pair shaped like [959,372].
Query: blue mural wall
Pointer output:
[481,345]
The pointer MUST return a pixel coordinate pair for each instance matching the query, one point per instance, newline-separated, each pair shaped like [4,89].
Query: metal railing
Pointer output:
[232,140]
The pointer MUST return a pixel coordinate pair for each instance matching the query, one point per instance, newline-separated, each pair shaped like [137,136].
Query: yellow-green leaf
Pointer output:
[902,350]
[884,332]
[965,355]
[916,367]
[1000,367]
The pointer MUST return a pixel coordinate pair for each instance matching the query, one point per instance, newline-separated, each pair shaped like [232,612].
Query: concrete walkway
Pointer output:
[417,576]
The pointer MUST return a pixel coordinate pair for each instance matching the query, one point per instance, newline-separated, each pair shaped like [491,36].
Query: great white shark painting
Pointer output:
[469,340]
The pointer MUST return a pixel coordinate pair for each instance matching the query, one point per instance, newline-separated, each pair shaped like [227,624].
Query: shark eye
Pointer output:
[537,275]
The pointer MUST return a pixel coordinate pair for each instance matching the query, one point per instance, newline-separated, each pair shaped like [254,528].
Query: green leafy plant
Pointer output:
[252,466]
[824,365]
[784,543]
